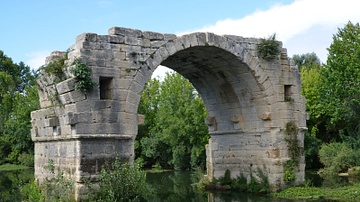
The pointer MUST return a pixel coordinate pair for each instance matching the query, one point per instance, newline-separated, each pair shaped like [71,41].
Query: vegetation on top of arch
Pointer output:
[268,48]
[80,70]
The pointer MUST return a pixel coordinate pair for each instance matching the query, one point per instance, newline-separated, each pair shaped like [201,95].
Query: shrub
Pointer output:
[32,192]
[26,159]
[268,49]
[121,182]
[289,171]
[226,179]
[56,68]
[335,157]
[82,72]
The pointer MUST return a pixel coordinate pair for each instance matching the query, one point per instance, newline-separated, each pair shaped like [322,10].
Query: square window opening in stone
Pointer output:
[287,93]
[106,86]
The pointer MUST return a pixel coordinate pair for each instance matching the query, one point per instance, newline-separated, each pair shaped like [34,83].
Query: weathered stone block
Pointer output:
[153,36]
[71,97]
[66,86]
[99,128]
[125,32]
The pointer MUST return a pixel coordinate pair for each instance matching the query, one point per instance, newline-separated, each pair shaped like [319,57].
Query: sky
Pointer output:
[31,30]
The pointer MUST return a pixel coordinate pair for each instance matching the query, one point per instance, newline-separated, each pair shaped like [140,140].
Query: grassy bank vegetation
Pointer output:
[345,193]
[12,167]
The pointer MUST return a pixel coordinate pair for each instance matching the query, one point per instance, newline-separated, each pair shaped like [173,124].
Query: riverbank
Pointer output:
[345,193]
[12,167]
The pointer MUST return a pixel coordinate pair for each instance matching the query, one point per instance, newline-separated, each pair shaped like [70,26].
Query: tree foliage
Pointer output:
[341,78]
[307,60]
[174,134]
[18,97]
[332,92]
[310,68]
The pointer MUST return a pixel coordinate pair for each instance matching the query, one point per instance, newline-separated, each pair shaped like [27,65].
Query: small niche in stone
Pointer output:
[287,93]
[106,87]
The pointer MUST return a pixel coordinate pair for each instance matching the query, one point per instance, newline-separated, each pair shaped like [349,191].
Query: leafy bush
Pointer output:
[83,74]
[289,171]
[335,157]
[268,49]
[121,182]
[26,159]
[226,179]
[241,183]
[117,182]
[56,68]
[32,192]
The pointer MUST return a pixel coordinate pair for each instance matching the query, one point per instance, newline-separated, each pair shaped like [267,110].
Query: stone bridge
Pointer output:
[249,102]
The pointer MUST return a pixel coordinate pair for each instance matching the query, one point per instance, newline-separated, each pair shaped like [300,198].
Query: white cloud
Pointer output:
[37,58]
[302,25]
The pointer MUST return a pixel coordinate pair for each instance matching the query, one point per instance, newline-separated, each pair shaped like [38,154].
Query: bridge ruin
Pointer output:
[249,101]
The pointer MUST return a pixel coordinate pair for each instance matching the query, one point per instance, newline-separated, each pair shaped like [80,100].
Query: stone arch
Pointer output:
[235,52]
[249,101]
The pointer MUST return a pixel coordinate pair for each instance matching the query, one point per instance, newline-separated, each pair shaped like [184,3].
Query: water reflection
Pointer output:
[173,186]
[169,186]
[314,179]
[177,186]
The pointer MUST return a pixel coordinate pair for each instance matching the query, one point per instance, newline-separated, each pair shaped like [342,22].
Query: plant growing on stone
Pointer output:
[58,188]
[268,48]
[289,171]
[292,140]
[293,150]
[82,72]
[121,182]
[56,68]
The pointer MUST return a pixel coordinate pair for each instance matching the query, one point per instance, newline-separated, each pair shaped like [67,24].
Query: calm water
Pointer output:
[174,186]
[165,186]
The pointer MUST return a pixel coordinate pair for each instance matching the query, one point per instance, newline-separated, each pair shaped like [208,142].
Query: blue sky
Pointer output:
[30,30]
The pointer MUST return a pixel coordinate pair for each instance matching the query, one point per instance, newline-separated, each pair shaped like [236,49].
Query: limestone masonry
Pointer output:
[249,101]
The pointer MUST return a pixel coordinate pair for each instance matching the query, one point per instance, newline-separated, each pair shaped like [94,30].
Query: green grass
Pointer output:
[11,167]
[346,193]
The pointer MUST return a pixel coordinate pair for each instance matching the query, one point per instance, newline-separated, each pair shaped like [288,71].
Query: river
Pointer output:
[171,186]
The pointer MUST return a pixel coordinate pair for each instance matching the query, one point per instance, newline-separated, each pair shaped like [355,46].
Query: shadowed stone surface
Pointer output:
[249,102]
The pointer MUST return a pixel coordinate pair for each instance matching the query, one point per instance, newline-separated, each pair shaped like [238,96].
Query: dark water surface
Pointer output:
[177,186]
[171,186]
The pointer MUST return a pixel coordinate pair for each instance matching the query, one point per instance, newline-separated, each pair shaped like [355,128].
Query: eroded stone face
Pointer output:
[249,101]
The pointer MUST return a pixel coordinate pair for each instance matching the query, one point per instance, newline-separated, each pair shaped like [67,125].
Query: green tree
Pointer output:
[310,69]
[307,60]
[148,106]
[178,135]
[18,97]
[341,78]
[340,93]
[311,81]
